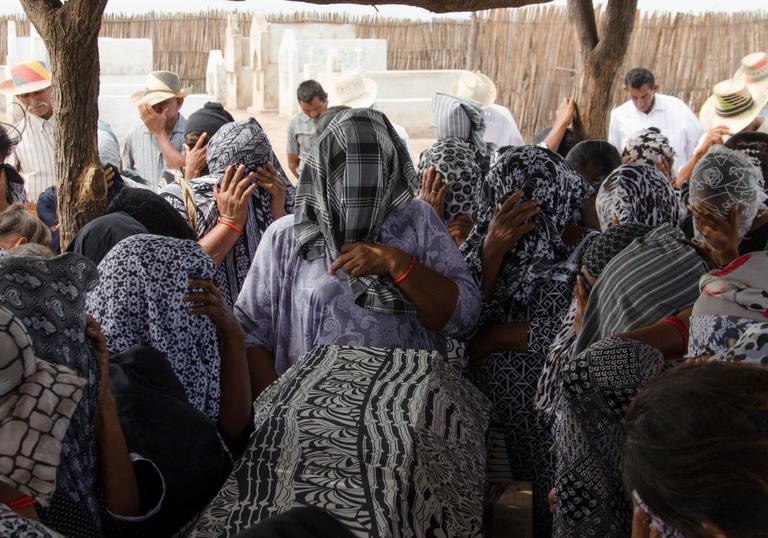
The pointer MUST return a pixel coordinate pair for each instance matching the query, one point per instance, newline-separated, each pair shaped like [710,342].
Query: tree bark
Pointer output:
[601,56]
[440,6]
[472,48]
[70,32]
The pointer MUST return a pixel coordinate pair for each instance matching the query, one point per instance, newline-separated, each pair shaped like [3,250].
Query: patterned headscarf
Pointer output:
[138,302]
[560,193]
[751,347]
[37,400]
[456,161]
[609,243]
[48,296]
[458,117]
[637,193]
[648,146]
[98,237]
[356,174]
[724,178]
[246,143]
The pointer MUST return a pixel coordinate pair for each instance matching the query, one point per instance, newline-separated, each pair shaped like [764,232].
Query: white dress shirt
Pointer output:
[669,114]
[501,128]
[33,155]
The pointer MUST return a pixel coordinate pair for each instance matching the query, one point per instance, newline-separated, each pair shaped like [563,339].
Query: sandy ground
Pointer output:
[277,131]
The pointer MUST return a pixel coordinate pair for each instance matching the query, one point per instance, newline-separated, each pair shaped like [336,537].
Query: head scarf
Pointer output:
[751,347]
[152,211]
[560,193]
[356,174]
[609,243]
[208,119]
[138,302]
[456,162]
[637,193]
[14,185]
[98,237]
[648,146]
[458,117]
[108,146]
[37,400]
[724,178]
[48,296]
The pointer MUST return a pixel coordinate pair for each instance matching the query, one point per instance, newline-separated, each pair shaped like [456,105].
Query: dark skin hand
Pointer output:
[722,235]
[433,190]
[460,228]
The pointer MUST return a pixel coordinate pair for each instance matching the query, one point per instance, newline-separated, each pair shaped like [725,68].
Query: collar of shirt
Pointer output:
[659,105]
[38,123]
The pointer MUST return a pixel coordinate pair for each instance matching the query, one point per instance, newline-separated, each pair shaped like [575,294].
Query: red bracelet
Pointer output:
[681,328]
[231,226]
[407,271]
[21,503]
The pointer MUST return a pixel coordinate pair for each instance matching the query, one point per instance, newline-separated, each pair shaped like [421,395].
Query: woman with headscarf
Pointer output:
[650,147]
[152,211]
[97,478]
[98,237]
[524,249]
[462,118]
[144,284]
[451,181]
[231,208]
[361,262]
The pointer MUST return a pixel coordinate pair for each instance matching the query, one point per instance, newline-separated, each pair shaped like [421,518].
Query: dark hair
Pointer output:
[570,139]
[755,145]
[324,119]
[17,220]
[309,89]
[594,159]
[696,448]
[30,249]
[6,144]
[153,211]
[638,77]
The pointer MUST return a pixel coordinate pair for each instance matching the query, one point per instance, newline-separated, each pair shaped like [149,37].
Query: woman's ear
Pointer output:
[21,241]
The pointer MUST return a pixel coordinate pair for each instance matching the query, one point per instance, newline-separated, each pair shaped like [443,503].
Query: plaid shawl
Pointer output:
[356,174]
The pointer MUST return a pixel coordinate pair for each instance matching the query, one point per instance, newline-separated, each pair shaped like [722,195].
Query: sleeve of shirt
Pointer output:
[292,148]
[614,132]
[694,131]
[128,161]
[515,137]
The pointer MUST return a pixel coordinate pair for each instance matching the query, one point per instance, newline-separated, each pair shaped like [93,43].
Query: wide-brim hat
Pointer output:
[754,69]
[27,77]
[160,86]
[475,86]
[352,89]
[733,104]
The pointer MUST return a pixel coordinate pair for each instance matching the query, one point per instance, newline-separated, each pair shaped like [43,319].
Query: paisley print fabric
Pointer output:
[138,302]
[457,162]
[637,192]
[389,441]
[648,146]
[356,174]
[13,525]
[750,348]
[246,143]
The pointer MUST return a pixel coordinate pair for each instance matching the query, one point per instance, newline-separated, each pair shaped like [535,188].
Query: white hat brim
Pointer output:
[361,101]
[736,123]
[154,97]
[30,87]
[492,94]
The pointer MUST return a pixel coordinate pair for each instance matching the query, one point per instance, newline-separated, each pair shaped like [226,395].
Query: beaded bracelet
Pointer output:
[407,271]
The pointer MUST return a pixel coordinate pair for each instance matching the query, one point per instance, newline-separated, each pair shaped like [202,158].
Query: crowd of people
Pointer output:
[377,347]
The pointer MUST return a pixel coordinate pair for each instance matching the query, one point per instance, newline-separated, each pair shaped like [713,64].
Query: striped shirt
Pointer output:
[669,114]
[33,155]
[141,153]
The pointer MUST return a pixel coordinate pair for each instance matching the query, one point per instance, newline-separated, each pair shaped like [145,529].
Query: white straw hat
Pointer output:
[352,89]
[733,104]
[160,86]
[475,86]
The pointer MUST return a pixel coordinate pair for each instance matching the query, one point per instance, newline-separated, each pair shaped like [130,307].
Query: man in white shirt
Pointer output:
[32,157]
[646,108]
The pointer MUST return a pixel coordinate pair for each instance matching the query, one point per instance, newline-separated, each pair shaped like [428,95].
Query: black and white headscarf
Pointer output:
[648,146]
[750,348]
[637,192]
[560,193]
[246,143]
[138,302]
[457,162]
[357,173]
[458,117]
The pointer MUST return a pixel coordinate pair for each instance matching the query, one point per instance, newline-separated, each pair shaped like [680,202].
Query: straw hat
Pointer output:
[160,86]
[352,89]
[734,104]
[27,77]
[754,69]
[475,86]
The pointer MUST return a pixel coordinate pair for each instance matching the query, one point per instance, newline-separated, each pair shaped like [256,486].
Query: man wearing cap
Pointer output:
[302,130]
[647,108]
[156,145]
[198,130]
[30,83]
[500,127]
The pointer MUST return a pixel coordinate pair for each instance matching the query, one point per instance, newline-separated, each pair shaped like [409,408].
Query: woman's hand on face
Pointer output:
[433,190]
[208,302]
[233,196]
[196,158]
[582,296]
[269,179]
[94,333]
[460,228]
[722,235]
[508,225]
[362,259]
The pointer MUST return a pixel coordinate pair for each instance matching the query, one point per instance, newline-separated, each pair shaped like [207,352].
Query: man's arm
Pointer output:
[172,156]
[293,164]
[614,132]
[292,149]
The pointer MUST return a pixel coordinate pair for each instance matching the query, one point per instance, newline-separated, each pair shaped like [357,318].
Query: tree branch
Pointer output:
[441,6]
[618,14]
[582,14]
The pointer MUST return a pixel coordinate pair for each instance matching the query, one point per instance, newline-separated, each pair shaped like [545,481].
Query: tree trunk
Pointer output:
[70,32]
[472,48]
[601,56]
